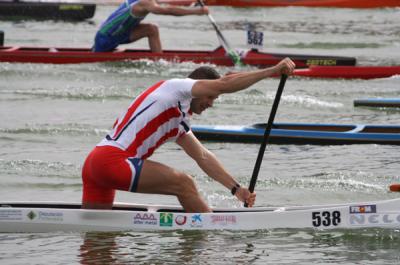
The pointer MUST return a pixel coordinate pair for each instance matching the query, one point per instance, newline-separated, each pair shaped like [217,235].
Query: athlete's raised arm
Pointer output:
[239,81]
[143,7]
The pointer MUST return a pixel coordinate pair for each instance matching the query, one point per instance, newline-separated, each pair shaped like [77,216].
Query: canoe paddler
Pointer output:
[125,25]
[121,161]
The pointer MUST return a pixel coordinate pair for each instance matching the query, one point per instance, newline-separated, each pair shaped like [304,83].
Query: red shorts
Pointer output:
[107,169]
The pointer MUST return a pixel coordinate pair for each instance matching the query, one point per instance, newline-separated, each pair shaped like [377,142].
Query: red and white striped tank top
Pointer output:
[158,114]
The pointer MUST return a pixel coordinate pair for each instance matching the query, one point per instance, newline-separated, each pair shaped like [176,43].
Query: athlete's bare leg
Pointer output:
[157,178]
[150,31]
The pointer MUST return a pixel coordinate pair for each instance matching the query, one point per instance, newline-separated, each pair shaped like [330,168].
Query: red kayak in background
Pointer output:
[55,55]
[283,3]
[314,66]
[349,72]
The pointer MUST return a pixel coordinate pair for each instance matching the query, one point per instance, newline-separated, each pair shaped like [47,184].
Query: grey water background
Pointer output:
[51,116]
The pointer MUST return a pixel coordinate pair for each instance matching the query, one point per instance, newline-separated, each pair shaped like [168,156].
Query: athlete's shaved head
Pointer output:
[204,72]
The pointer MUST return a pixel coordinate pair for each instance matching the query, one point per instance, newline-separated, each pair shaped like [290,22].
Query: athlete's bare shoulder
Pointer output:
[147,4]
[143,7]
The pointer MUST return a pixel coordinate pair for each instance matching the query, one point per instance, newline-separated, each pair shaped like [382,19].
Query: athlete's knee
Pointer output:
[186,185]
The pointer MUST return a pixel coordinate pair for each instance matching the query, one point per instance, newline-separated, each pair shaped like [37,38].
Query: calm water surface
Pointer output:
[51,116]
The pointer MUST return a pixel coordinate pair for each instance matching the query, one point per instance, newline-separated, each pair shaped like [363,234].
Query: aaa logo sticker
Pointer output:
[166,219]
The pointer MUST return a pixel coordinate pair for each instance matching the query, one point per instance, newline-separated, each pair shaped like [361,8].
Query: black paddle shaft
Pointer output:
[219,33]
[267,132]
[235,57]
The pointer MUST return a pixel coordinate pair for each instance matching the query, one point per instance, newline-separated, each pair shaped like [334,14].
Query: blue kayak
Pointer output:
[302,133]
[378,102]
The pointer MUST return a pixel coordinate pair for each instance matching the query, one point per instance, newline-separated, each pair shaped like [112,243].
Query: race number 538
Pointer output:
[325,218]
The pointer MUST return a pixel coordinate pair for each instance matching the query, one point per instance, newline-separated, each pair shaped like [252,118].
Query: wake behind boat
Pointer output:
[36,217]
[302,133]
[54,55]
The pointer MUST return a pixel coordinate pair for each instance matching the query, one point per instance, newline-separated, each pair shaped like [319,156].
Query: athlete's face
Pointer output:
[198,105]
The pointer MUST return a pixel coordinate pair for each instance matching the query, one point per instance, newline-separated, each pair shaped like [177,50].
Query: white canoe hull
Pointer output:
[20,217]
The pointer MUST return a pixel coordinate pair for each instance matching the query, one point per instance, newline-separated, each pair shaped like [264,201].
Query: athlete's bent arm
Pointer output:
[209,163]
[239,81]
[151,6]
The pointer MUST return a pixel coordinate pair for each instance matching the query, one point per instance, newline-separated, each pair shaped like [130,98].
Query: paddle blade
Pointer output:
[235,58]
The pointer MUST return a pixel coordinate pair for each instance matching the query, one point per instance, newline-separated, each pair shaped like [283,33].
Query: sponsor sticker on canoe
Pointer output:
[322,62]
[380,219]
[31,215]
[50,216]
[180,219]
[71,7]
[145,219]
[363,209]
[166,219]
[46,216]
[10,215]
[196,220]
[223,220]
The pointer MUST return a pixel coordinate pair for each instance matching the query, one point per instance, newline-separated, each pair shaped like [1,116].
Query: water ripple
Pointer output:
[64,129]
[38,168]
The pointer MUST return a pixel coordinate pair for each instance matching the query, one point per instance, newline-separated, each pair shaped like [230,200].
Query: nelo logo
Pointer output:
[374,219]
